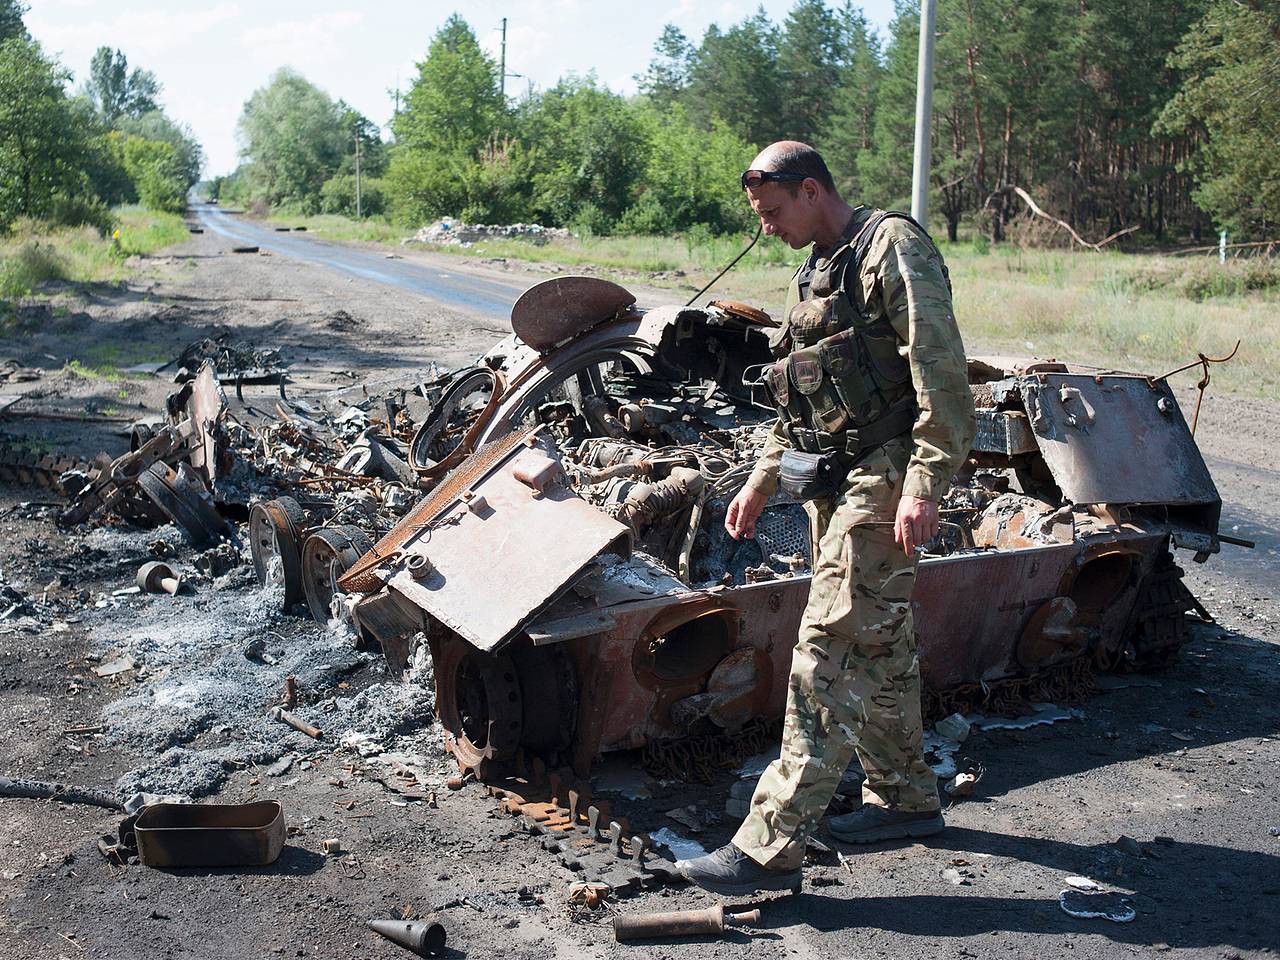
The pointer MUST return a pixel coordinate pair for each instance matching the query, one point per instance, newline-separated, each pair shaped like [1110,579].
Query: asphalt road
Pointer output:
[464,291]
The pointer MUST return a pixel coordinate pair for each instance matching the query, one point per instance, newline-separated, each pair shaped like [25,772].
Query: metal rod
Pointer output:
[732,264]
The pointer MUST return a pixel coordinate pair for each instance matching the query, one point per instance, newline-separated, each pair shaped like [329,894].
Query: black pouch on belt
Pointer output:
[810,476]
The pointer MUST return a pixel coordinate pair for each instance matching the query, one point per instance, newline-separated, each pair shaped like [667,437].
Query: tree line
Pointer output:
[67,158]
[1121,118]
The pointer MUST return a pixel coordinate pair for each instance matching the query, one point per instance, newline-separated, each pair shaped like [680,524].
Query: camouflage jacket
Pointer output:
[902,279]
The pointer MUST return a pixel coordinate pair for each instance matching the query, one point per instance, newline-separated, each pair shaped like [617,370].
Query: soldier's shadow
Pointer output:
[1179,897]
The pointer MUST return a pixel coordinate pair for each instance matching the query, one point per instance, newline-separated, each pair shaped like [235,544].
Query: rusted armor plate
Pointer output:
[503,551]
[563,307]
[1116,439]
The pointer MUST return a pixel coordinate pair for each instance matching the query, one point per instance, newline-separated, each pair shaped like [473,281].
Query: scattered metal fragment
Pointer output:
[115,666]
[279,713]
[1081,883]
[427,937]
[681,923]
[962,784]
[1096,906]
[158,577]
[331,846]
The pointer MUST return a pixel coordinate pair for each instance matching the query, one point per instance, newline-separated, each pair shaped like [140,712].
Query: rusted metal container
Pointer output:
[210,835]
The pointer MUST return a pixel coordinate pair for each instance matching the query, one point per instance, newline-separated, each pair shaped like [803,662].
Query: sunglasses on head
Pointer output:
[753,178]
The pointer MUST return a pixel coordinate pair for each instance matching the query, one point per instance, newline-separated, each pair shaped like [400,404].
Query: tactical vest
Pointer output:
[842,384]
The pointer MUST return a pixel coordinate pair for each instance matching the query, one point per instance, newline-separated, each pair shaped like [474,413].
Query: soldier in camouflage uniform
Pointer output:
[873,369]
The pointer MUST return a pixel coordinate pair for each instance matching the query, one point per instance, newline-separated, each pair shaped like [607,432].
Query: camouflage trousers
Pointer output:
[855,677]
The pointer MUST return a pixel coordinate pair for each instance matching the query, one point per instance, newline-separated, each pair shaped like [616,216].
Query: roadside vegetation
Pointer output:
[1119,120]
[34,252]
[87,176]
[1114,118]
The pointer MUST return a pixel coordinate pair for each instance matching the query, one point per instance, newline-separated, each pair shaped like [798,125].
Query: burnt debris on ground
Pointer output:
[523,562]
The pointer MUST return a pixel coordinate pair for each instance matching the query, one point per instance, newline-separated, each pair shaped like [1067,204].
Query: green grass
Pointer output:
[333,227]
[1142,312]
[90,372]
[34,253]
[109,362]
[26,265]
[1100,309]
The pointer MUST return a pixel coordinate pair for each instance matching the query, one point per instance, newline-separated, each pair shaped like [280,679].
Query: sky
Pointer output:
[211,55]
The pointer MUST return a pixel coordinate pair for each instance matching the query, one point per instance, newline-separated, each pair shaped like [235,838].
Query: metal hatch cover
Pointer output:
[506,548]
[555,310]
[1116,439]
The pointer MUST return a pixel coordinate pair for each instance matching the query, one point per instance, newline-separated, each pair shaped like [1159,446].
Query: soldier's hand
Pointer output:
[916,523]
[740,520]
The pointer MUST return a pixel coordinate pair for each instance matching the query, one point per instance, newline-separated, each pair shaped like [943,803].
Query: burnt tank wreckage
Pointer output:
[569,568]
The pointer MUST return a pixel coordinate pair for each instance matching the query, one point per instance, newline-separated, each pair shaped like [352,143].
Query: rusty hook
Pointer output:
[1203,362]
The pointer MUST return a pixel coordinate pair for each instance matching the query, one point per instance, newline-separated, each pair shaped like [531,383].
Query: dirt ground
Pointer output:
[1185,763]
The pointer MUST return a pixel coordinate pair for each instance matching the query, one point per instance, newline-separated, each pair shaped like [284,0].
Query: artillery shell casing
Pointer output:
[676,923]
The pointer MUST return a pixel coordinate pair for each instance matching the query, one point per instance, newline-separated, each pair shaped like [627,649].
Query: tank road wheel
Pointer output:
[491,707]
[480,705]
[326,555]
[276,529]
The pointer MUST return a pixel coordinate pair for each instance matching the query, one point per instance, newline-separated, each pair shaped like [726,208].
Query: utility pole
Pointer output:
[502,63]
[924,111]
[359,208]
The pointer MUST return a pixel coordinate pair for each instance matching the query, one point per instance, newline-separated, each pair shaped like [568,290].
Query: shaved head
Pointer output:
[793,156]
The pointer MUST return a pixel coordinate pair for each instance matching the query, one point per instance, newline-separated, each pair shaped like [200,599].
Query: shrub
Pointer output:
[591,221]
[422,185]
[338,195]
[647,215]
[30,264]
[83,212]
[153,167]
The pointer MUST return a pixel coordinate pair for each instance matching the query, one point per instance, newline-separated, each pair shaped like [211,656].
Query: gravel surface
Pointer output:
[1162,791]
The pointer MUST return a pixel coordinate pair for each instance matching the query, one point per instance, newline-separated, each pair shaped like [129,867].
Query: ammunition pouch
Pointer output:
[810,476]
[819,465]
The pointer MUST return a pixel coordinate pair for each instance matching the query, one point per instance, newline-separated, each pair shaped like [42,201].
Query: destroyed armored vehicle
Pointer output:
[569,569]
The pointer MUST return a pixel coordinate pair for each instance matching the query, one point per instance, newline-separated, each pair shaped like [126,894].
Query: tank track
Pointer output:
[27,468]
[1160,627]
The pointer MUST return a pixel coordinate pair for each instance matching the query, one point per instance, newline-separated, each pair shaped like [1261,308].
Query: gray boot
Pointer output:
[874,823]
[730,872]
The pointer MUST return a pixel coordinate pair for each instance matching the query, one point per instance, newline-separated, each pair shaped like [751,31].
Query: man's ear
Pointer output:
[811,189]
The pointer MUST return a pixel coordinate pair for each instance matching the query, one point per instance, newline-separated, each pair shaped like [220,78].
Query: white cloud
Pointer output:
[684,10]
[300,43]
[143,34]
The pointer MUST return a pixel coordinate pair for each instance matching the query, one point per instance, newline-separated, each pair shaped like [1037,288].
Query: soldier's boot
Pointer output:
[874,823]
[730,872]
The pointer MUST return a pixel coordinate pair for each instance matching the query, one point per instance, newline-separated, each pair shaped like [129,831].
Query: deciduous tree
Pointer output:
[292,140]
[116,91]
[11,25]
[455,103]
[43,141]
